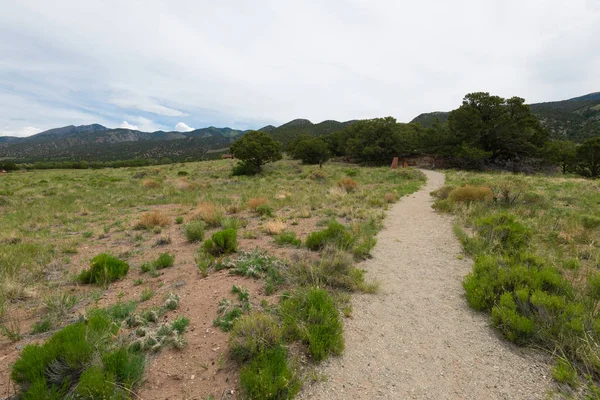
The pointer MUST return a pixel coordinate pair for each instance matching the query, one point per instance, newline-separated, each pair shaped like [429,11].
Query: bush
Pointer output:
[194,231]
[288,238]
[269,377]
[104,269]
[502,234]
[443,192]
[505,317]
[348,184]
[564,372]
[335,233]
[222,242]
[244,168]
[252,335]
[390,197]
[312,317]
[165,260]
[264,210]
[255,149]
[468,194]
[182,173]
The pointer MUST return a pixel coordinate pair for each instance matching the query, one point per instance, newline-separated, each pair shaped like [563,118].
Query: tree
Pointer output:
[504,127]
[562,153]
[588,155]
[311,150]
[255,149]
[379,140]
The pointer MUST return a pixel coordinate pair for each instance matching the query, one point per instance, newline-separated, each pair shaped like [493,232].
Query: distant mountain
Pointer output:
[575,119]
[290,130]
[98,143]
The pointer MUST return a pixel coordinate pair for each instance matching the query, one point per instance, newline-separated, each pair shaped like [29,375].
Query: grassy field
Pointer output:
[154,241]
[535,244]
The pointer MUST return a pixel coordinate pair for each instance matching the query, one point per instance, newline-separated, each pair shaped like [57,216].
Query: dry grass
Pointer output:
[209,213]
[469,193]
[153,219]
[390,197]
[184,184]
[348,184]
[256,202]
[234,208]
[150,184]
[13,290]
[274,227]
[318,175]
[337,192]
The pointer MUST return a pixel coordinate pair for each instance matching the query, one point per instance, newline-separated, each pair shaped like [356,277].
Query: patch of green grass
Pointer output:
[44,325]
[147,294]
[288,238]
[104,269]
[311,316]
[253,334]
[194,231]
[221,242]
[336,234]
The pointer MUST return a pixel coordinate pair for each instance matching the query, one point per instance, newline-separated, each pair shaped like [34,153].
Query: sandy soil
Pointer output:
[417,338]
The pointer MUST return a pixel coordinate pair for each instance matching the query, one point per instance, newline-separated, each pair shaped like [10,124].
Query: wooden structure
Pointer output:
[225,156]
[394,163]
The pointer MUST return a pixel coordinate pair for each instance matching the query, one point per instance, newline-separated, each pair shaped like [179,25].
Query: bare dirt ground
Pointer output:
[417,338]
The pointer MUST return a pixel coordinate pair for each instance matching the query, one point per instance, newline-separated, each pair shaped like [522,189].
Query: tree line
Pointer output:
[486,131]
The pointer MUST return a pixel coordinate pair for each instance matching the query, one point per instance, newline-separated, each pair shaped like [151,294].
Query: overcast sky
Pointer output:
[182,64]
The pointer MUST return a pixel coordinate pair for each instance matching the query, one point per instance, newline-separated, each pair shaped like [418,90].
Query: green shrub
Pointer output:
[505,317]
[593,285]
[180,324]
[443,192]
[93,384]
[502,234]
[179,220]
[104,269]
[252,335]
[335,233]
[265,210]
[564,372]
[228,314]
[182,173]
[288,238]
[165,260]
[41,326]
[269,377]
[222,242]
[312,317]
[194,231]
[126,367]
[244,168]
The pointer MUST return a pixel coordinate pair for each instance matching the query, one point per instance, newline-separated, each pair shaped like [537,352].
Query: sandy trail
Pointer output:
[417,338]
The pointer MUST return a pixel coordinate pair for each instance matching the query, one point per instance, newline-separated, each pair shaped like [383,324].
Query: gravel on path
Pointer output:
[417,338]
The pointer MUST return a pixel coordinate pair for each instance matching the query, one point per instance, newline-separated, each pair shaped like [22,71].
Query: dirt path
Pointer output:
[417,338]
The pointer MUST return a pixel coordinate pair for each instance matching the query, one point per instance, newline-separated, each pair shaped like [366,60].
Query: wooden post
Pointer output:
[394,163]
[405,165]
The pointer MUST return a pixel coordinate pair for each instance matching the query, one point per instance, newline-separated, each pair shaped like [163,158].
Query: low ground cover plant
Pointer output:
[104,269]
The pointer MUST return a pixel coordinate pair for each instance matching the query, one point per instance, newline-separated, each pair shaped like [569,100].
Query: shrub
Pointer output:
[348,184]
[104,269]
[269,377]
[153,219]
[288,238]
[505,317]
[564,372]
[466,194]
[256,202]
[255,149]
[165,260]
[222,242]
[318,175]
[244,168]
[179,220]
[208,213]
[264,210]
[335,233]
[194,231]
[312,317]
[501,233]
[252,335]
[182,173]
[443,192]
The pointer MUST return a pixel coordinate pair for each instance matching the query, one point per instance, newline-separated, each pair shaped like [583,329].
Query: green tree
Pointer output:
[255,149]
[562,153]
[379,140]
[588,155]
[311,150]
[505,128]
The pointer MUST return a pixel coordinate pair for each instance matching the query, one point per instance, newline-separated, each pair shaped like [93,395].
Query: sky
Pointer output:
[179,64]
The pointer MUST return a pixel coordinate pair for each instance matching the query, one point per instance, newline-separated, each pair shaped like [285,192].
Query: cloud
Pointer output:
[127,125]
[23,132]
[183,127]
[359,59]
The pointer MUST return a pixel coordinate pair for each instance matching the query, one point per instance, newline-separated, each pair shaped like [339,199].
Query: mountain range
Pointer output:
[576,119]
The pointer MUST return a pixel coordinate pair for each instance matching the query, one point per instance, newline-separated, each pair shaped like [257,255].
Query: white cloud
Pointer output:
[359,59]
[127,125]
[23,132]
[183,127]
